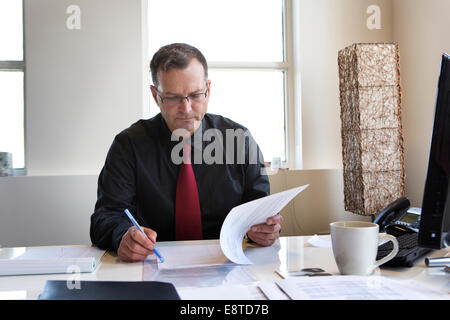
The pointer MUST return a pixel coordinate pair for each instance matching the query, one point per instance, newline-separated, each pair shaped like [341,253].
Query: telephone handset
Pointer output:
[398,218]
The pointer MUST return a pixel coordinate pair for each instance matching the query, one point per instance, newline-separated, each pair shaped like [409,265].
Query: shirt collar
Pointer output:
[196,139]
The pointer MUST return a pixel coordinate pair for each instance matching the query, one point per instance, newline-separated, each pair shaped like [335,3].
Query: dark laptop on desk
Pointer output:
[421,230]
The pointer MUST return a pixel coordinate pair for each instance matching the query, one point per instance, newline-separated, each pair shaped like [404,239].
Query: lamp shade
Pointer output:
[371,130]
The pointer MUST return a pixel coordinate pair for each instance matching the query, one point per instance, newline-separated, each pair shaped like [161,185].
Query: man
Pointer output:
[174,201]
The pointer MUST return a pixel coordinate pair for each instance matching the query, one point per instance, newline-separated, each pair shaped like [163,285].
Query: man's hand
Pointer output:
[265,234]
[134,246]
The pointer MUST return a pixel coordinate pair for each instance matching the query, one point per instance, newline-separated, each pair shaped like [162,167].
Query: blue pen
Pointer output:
[161,259]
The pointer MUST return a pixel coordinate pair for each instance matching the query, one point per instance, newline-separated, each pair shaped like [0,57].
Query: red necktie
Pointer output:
[188,222]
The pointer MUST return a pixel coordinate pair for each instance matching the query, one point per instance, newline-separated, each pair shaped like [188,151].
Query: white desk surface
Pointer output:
[290,253]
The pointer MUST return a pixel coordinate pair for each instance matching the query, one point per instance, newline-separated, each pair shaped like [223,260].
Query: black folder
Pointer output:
[108,290]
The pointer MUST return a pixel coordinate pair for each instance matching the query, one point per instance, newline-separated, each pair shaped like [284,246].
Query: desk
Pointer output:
[291,253]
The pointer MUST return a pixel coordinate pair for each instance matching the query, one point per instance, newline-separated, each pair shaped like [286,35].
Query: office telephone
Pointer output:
[398,218]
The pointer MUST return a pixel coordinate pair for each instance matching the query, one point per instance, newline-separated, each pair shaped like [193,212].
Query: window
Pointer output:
[245,43]
[12,69]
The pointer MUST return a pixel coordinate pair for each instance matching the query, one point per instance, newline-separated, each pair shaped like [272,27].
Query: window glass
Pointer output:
[11,30]
[231,30]
[11,116]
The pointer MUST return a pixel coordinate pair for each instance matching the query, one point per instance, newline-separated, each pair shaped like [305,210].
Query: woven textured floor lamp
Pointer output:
[372,138]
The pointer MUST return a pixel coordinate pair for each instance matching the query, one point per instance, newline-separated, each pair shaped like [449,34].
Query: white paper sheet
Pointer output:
[272,291]
[357,288]
[227,292]
[204,276]
[242,217]
[192,256]
[318,242]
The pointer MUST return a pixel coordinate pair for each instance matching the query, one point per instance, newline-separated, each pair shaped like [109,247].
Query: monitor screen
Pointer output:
[434,223]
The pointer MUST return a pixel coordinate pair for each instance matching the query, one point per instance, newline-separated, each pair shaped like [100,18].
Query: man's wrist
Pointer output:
[118,234]
[247,238]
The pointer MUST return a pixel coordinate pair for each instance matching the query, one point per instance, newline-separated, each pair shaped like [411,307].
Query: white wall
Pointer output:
[82,86]
[327,26]
[313,209]
[53,210]
[422,30]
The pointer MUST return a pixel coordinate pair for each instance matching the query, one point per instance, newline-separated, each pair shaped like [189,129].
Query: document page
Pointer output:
[272,291]
[191,256]
[226,292]
[204,276]
[194,266]
[242,217]
[319,242]
[357,288]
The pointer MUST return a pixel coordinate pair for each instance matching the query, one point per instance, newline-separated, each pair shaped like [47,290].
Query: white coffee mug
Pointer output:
[355,246]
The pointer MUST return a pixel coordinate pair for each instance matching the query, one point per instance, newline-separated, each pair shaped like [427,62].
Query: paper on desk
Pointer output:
[195,266]
[191,256]
[204,276]
[318,242]
[242,217]
[226,292]
[357,288]
[272,291]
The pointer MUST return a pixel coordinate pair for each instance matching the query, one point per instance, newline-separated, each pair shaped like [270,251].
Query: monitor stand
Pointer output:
[440,261]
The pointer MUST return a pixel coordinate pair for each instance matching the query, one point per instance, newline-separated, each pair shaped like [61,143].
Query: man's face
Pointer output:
[176,83]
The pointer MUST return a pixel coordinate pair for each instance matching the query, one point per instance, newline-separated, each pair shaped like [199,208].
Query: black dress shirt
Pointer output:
[139,174]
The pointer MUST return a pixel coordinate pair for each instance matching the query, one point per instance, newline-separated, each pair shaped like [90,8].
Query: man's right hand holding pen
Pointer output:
[135,246]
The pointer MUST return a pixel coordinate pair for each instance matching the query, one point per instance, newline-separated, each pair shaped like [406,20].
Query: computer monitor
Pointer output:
[435,219]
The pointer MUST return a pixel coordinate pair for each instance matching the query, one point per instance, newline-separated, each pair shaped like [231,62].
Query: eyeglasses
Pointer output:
[192,98]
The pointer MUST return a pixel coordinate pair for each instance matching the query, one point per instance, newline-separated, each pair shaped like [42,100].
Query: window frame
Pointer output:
[293,85]
[19,66]
[290,66]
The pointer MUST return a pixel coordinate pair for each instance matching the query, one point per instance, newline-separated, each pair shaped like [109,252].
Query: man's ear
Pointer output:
[209,87]
[154,94]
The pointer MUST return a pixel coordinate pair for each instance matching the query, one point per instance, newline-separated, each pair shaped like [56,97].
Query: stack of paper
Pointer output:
[225,292]
[356,288]
[40,260]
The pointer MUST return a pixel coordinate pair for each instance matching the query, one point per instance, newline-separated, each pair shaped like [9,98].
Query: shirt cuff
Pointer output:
[117,236]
